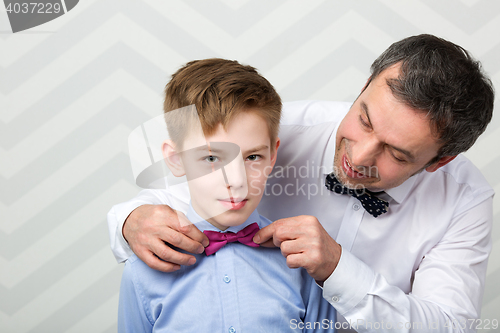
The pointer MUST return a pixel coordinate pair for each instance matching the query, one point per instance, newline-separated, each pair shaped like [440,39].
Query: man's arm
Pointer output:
[446,292]
[143,225]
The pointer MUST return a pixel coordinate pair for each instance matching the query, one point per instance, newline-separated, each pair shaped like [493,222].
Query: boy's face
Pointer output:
[227,171]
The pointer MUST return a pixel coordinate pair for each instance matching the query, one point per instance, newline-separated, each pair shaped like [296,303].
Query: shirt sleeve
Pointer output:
[447,288]
[132,316]
[174,197]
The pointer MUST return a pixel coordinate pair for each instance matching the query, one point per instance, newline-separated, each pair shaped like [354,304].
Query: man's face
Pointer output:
[381,142]
[227,171]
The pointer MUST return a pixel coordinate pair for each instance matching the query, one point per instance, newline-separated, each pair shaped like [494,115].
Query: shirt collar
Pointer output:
[399,193]
[203,225]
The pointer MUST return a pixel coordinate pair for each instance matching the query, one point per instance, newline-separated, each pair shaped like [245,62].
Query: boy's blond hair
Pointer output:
[219,89]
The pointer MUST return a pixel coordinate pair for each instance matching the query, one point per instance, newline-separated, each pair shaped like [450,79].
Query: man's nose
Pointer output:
[364,153]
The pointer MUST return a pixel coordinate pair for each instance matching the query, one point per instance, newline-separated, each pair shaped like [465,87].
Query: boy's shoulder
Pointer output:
[142,276]
[135,269]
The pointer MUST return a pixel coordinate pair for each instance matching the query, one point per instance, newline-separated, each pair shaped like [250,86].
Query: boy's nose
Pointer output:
[235,173]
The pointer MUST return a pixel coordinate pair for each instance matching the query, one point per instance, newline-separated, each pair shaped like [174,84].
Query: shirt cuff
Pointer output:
[116,219]
[349,283]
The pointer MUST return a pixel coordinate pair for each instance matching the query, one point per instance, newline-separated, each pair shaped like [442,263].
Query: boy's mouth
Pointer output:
[233,203]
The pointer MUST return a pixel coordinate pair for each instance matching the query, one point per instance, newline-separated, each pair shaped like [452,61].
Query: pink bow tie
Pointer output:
[219,239]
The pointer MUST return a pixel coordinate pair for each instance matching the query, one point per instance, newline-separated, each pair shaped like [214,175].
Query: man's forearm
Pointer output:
[369,303]
[446,289]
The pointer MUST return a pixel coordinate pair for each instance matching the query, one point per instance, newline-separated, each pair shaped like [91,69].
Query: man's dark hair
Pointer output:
[444,81]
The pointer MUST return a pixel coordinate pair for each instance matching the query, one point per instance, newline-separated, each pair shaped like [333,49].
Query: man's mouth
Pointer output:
[350,171]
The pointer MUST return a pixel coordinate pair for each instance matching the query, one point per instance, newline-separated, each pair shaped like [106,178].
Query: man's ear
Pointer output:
[172,158]
[442,162]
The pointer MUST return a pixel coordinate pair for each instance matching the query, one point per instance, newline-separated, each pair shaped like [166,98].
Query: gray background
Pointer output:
[72,90]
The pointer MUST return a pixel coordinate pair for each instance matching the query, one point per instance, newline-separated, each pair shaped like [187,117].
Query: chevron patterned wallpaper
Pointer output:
[72,90]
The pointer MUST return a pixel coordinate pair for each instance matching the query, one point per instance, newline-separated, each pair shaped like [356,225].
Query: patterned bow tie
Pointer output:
[373,205]
[219,239]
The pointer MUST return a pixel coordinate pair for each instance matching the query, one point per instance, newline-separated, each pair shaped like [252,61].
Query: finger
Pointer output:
[264,234]
[292,247]
[268,243]
[167,254]
[295,260]
[182,219]
[285,231]
[188,229]
[152,261]
[181,241]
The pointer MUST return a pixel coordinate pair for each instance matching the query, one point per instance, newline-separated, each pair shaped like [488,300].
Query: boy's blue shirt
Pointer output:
[237,289]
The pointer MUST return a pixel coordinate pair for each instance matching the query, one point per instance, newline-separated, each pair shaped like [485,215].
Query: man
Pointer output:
[419,266]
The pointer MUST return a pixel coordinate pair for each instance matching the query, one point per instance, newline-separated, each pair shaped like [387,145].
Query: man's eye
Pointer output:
[211,159]
[398,159]
[254,157]
[363,122]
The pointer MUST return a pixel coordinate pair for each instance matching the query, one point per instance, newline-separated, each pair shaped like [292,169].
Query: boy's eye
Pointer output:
[254,157]
[211,159]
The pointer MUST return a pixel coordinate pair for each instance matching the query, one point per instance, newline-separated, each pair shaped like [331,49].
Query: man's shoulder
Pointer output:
[460,181]
[310,113]
[306,130]
[464,172]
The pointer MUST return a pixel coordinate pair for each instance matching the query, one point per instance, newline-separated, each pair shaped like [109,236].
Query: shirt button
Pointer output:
[227,279]
[355,207]
[232,329]
[335,299]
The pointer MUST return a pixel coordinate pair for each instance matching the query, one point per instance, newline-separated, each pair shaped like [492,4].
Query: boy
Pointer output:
[226,156]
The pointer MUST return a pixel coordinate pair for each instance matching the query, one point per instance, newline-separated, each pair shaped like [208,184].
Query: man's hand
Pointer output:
[147,229]
[305,243]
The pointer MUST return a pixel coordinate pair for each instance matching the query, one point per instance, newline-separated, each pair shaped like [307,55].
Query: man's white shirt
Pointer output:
[421,265]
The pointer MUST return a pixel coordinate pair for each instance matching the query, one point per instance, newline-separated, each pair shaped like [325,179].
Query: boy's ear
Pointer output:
[442,162]
[172,158]
[274,155]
